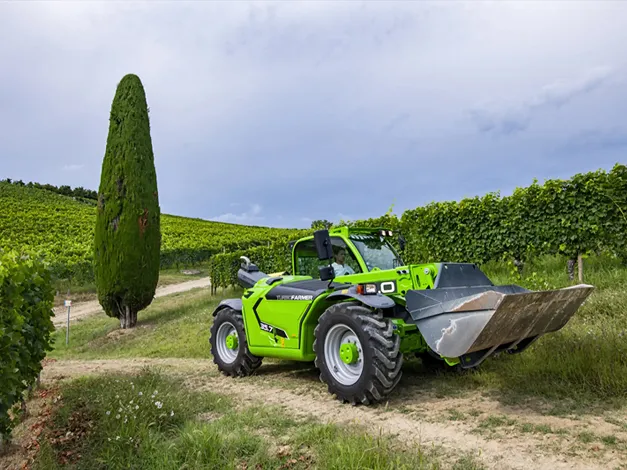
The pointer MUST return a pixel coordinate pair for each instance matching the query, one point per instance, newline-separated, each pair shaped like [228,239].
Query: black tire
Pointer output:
[382,359]
[244,363]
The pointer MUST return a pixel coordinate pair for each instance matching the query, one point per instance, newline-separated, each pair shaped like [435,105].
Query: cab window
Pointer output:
[307,262]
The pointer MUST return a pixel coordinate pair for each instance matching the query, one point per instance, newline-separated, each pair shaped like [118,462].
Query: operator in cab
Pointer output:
[339,267]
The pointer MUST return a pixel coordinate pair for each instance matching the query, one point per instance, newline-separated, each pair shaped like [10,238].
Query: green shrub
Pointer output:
[26,298]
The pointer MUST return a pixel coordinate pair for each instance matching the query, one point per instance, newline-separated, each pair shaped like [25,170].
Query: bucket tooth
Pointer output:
[458,321]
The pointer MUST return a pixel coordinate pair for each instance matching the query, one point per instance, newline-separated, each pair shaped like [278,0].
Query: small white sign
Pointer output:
[68,303]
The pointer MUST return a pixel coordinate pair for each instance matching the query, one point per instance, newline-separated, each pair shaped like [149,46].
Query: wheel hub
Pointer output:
[231,341]
[349,353]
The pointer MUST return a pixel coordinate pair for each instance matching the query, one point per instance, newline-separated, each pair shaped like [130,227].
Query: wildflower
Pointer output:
[158,404]
[140,394]
[108,413]
[120,410]
[137,407]
[172,413]
[117,416]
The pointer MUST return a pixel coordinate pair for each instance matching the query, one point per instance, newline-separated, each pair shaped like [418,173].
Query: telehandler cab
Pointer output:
[354,308]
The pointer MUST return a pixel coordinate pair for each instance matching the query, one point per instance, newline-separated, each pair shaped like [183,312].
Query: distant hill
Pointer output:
[61,227]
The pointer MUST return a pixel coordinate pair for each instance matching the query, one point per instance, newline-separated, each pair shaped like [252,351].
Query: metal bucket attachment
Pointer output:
[478,321]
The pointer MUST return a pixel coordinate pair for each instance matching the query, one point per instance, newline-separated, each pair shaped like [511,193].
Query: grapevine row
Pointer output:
[25,328]
[584,214]
[61,229]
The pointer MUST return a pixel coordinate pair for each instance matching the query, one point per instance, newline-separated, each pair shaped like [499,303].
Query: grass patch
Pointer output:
[586,437]
[173,326]
[455,415]
[610,440]
[105,422]
[494,421]
[541,429]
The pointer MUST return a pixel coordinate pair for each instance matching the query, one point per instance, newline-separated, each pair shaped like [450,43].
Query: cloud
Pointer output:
[507,120]
[597,140]
[310,109]
[250,217]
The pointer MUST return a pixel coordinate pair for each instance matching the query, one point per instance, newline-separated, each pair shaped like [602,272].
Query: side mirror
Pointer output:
[322,240]
[327,273]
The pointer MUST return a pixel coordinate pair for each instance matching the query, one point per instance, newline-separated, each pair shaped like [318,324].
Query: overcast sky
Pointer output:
[277,113]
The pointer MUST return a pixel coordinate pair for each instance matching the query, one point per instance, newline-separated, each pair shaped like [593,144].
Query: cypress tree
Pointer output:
[128,226]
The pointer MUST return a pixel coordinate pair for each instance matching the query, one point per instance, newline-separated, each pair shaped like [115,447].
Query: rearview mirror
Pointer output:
[322,240]
[326,273]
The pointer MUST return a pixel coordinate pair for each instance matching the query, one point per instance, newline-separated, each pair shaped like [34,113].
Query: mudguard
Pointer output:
[377,300]
[235,304]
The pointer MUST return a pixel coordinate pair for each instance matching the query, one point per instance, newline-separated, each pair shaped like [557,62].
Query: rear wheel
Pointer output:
[357,353]
[229,346]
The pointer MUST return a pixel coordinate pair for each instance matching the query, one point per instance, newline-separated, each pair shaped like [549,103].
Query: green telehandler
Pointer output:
[351,306]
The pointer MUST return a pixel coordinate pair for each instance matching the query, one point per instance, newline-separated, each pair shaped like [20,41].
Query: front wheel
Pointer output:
[357,353]
[229,346]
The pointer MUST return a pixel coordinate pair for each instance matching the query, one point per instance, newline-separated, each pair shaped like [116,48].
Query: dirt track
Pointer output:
[423,422]
[84,309]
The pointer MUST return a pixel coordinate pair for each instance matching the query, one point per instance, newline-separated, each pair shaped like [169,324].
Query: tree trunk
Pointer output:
[571,269]
[126,318]
[580,268]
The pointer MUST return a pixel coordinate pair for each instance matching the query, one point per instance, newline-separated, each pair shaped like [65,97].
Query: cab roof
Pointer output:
[347,231]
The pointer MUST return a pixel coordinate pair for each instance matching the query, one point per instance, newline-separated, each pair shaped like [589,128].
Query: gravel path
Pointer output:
[81,310]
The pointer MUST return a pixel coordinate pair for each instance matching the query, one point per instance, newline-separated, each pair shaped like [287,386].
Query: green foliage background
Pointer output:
[26,297]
